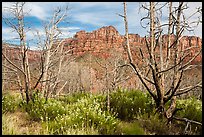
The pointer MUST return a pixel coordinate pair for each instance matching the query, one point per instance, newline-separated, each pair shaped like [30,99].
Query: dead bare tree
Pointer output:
[16,22]
[114,72]
[53,54]
[167,64]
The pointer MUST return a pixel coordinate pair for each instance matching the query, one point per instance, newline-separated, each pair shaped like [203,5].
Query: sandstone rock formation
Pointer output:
[13,52]
[100,41]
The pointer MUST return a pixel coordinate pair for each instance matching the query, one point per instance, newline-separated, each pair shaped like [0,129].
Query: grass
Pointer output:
[131,128]
[18,123]
[8,125]
[81,114]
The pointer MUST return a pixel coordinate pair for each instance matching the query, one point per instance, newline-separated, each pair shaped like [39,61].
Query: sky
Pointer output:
[90,16]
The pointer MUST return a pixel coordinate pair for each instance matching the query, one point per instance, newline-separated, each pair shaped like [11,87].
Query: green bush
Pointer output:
[192,110]
[155,124]
[132,128]
[10,103]
[72,98]
[130,104]
[102,100]
[87,112]
[41,109]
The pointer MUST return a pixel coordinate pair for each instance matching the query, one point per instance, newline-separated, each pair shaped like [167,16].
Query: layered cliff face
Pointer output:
[13,53]
[100,41]
[97,42]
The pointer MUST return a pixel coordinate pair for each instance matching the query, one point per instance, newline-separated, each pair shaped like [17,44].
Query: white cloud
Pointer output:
[87,5]
[8,34]
[11,36]
[40,10]
[31,36]
[94,13]
[5,5]
[37,10]
[44,10]
[90,18]
[69,28]
[68,31]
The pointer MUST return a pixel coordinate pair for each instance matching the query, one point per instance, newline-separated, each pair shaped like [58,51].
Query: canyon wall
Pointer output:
[100,41]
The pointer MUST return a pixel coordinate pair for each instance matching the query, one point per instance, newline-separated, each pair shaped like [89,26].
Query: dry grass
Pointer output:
[18,123]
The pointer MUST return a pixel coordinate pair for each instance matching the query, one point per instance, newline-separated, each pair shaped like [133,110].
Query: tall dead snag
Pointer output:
[114,72]
[53,54]
[165,59]
[16,22]
[132,64]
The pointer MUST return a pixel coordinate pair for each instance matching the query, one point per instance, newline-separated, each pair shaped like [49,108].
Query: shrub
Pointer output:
[132,128]
[10,103]
[154,124]
[72,98]
[68,131]
[130,104]
[102,100]
[87,112]
[41,109]
[191,109]
[81,131]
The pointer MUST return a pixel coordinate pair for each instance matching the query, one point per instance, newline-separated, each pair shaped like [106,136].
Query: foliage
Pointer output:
[85,113]
[155,124]
[74,97]
[69,130]
[10,103]
[132,128]
[129,104]
[41,109]
[191,109]
[81,131]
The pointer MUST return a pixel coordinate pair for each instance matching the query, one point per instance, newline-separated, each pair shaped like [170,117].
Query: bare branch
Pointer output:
[187,89]
[120,15]
[185,65]
[13,64]
[168,97]
[187,120]
[61,88]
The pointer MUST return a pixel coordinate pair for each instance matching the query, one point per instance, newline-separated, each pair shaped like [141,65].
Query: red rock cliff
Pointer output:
[102,40]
